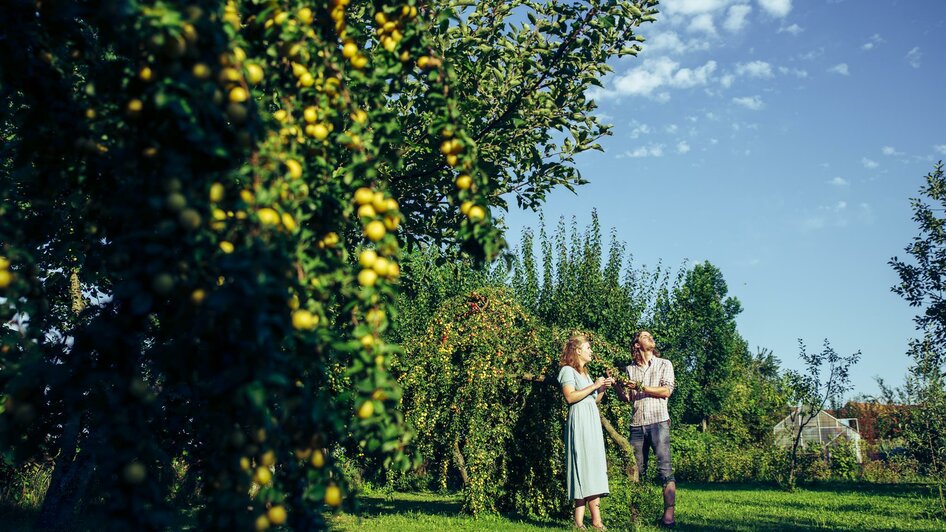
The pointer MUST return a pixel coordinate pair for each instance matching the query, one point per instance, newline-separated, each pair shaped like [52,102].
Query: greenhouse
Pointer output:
[824,430]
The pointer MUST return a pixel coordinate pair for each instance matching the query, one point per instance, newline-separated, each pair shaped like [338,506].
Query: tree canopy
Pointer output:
[203,206]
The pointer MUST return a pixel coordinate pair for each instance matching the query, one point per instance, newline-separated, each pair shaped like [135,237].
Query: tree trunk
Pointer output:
[70,476]
[461,463]
[72,468]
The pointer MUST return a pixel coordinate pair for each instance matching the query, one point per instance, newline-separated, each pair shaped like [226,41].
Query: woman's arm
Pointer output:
[572,395]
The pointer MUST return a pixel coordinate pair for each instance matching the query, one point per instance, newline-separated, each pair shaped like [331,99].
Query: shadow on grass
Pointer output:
[806,511]
[836,487]
[864,488]
[17,518]
[433,504]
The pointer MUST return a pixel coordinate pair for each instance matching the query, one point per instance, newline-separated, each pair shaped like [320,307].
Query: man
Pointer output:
[651,383]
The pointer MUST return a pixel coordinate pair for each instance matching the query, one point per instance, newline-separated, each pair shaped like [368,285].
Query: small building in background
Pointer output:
[824,430]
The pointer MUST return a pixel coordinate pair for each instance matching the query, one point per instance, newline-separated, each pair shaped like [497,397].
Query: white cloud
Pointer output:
[683,147]
[838,182]
[874,40]
[797,72]
[813,54]
[702,23]
[794,29]
[726,80]
[749,102]
[669,42]
[869,163]
[671,128]
[693,7]
[890,150]
[755,69]
[776,8]
[914,56]
[652,150]
[941,148]
[736,17]
[660,72]
[836,215]
[840,69]
[639,130]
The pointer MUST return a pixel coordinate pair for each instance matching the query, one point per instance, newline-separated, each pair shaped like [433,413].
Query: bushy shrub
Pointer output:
[894,470]
[844,464]
[813,464]
[630,504]
[464,394]
[480,388]
[710,457]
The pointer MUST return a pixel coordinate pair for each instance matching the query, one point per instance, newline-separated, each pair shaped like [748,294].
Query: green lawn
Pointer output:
[699,507]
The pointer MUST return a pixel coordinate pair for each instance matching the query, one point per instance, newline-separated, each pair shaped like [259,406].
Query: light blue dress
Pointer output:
[586,467]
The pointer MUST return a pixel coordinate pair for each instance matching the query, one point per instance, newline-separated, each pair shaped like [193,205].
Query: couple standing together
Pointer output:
[651,383]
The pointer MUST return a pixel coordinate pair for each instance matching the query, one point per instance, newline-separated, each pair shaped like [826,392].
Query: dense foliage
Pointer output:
[480,387]
[482,369]
[464,391]
[573,283]
[698,328]
[186,187]
[922,284]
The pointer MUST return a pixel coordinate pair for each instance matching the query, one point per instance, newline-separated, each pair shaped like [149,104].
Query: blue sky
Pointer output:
[781,140]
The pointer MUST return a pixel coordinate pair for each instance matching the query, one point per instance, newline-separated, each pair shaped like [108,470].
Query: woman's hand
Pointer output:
[603,383]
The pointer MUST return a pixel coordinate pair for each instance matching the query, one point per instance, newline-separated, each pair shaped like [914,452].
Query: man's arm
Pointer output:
[623,393]
[667,382]
[661,392]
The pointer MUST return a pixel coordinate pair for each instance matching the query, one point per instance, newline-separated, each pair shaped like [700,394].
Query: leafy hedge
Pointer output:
[480,390]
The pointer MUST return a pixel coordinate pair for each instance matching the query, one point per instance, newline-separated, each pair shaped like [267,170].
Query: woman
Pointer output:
[586,471]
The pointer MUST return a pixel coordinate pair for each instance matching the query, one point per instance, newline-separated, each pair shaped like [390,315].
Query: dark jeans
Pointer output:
[656,436]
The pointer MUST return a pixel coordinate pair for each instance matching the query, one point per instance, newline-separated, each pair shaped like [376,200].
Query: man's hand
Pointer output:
[622,391]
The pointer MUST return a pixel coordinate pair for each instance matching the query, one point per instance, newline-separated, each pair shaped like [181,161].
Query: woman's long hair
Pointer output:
[635,348]
[570,350]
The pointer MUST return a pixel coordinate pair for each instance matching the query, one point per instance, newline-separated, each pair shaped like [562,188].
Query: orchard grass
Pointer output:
[826,506]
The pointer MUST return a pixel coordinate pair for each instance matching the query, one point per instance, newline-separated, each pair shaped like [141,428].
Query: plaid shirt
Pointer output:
[648,409]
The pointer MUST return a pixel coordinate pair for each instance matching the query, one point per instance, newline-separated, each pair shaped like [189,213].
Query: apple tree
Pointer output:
[202,209]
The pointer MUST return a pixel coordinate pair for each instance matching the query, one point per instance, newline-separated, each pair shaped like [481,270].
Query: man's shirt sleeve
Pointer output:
[667,378]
